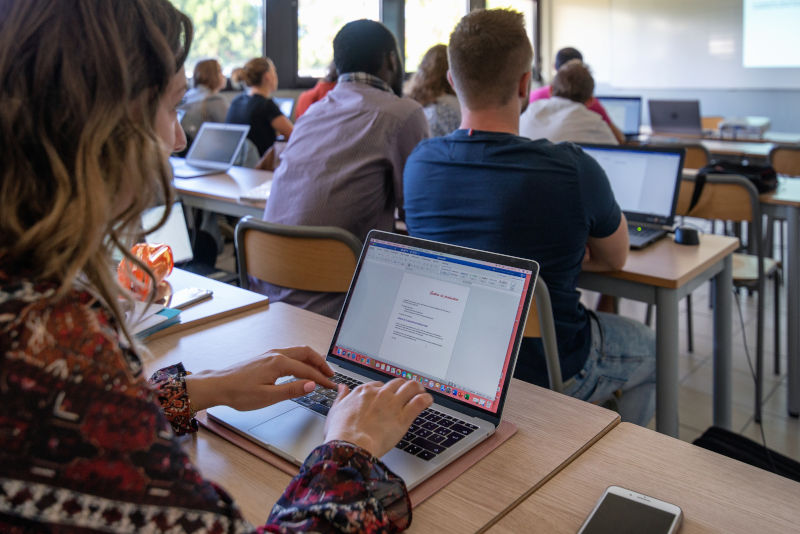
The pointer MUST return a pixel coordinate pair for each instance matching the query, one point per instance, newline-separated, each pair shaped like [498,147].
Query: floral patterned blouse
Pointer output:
[86,444]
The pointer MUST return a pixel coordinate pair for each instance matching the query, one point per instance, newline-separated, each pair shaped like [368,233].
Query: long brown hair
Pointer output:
[430,80]
[80,82]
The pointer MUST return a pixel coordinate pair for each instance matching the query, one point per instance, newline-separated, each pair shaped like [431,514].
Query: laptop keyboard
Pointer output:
[640,235]
[431,433]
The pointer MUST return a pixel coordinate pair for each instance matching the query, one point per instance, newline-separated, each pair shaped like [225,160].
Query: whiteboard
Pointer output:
[684,44]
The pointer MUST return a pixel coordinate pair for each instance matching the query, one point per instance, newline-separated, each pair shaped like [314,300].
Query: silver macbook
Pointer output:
[675,117]
[645,181]
[285,104]
[214,150]
[448,317]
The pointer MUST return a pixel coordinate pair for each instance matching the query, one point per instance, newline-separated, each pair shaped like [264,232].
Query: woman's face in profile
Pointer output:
[167,126]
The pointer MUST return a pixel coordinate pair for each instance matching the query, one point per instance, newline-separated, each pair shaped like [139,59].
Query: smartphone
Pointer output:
[186,297]
[622,511]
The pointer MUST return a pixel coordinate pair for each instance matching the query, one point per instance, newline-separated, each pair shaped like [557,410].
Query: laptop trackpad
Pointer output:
[296,432]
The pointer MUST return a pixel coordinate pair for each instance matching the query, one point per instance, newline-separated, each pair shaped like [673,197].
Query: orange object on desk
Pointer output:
[158,257]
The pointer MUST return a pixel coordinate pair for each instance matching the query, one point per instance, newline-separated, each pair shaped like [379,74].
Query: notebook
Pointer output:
[625,112]
[448,317]
[213,150]
[285,104]
[675,117]
[645,181]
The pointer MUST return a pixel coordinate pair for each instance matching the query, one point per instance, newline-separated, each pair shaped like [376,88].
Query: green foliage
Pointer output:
[231,31]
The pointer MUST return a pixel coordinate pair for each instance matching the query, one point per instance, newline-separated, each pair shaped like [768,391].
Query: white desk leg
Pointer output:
[723,301]
[667,361]
[793,309]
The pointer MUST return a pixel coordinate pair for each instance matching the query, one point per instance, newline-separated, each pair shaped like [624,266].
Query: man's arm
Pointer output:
[608,253]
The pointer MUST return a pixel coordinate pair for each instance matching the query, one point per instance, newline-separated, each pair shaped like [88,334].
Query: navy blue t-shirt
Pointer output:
[533,199]
[258,112]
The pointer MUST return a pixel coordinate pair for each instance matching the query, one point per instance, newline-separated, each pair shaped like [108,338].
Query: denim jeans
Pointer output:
[622,357]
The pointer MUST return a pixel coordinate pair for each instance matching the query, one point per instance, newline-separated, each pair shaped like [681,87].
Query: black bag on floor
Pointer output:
[748,451]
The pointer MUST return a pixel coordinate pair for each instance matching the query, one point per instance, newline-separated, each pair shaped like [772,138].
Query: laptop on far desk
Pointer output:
[213,150]
[625,112]
[677,117]
[450,318]
[285,104]
[645,181]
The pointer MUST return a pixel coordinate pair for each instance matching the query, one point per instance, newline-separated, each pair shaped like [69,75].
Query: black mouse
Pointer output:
[685,235]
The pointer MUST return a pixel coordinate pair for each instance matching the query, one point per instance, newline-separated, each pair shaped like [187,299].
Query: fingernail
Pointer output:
[308,387]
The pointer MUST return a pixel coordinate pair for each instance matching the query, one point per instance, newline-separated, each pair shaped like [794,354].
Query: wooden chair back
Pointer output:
[307,258]
[711,123]
[540,324]
[785,160]
[724,197]
[697,157]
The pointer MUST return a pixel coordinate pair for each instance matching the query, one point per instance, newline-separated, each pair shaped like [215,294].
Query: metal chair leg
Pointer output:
[689,329]
[777,276]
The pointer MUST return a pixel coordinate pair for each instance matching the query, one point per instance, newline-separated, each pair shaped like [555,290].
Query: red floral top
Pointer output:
[85,444]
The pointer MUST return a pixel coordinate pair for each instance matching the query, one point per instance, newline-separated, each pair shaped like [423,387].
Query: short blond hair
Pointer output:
[488,53]
[574,81]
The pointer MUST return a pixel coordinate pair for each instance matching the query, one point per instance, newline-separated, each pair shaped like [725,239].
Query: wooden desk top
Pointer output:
[788,193]
[553,429]
[224,186]
[716,494]
[667,264]
[226,300]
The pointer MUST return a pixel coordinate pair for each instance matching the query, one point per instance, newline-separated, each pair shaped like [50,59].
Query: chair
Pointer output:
[697,156]
[734,198]
[307,258]
[540,324]
[711,123]
[786,161]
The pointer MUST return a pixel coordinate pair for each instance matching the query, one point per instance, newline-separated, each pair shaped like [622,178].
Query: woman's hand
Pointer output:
[375,416]
[251,385]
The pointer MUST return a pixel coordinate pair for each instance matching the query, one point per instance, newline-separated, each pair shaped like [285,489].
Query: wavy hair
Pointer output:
[430,80]
[80,82]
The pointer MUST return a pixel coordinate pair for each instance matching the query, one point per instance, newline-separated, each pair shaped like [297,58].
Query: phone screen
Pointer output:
[618,515]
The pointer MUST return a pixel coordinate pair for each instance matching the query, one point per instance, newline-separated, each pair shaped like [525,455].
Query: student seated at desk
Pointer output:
[86,444]
[485,187]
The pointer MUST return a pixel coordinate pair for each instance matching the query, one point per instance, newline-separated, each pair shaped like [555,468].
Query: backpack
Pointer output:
[763,177]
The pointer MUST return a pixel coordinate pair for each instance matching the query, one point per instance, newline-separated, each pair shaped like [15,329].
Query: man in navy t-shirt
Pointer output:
[485,187]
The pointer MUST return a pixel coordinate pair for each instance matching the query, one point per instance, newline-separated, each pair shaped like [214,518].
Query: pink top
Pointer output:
[594,104]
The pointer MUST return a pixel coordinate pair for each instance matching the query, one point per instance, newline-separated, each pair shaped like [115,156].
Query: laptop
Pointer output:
[448,317]
[645,181]
[213,150]
[675,117]
[285,104]
[625,112]
[175,233]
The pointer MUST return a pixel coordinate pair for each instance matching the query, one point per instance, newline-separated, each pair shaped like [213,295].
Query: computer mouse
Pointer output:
[685,235]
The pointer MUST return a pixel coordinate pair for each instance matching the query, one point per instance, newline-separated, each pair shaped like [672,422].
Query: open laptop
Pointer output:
[213,150]
[675,117]
[175,233]
[645,181]
[449,317]
[285,104]
[625,112]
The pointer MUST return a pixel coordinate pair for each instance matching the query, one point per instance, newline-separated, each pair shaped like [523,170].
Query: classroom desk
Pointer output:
[220,192]
[662,274]
[784,202]
[716,494]
[717,147]
[226,300]
[553,429]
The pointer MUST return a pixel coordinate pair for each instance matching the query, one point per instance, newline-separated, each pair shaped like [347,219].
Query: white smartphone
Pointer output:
[622,511]
[186,297]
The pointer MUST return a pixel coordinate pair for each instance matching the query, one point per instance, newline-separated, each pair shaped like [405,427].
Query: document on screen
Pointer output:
[424,323]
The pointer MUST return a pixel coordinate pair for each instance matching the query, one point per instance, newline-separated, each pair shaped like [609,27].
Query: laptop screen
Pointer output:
[645,180]
[286,105]
[217,145]
[675,116]
[174,232]
[624,111]
[449,320]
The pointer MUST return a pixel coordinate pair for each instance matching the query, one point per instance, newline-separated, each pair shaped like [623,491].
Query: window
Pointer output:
[429,22]
[318,21]
[231,31]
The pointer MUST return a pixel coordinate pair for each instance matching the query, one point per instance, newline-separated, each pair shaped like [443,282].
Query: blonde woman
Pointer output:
[202,102]
[86,444]
[256,107]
